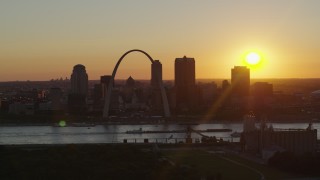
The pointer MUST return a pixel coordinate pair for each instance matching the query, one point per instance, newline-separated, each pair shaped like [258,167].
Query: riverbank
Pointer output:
[143,121]
[136,123]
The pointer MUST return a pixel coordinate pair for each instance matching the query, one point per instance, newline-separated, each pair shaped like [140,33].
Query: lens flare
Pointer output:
[62,123]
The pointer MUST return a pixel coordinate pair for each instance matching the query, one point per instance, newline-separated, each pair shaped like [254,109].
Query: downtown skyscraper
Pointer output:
[79,80]
[79,90]
[185,82]
[240,81]
[156,79]
[156,73]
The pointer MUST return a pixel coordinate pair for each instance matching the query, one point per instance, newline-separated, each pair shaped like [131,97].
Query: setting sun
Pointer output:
[253,58]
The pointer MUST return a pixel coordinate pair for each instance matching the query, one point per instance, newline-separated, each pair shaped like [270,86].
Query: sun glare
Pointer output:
[252,58]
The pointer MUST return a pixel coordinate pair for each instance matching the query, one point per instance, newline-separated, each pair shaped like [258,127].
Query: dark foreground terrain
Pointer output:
[129,161]
[77,162]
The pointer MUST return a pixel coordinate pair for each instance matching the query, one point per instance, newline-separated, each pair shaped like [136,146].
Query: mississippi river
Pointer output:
[117,133]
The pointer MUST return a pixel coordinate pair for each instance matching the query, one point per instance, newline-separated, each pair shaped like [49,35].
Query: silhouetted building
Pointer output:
[297,141]
[77,104]
[55,97]
[27,95]
[79,80]
[128,90]
[240,81]
[225,85]
[209,93]
[22,108]
[100,91]
[79,90]
[156,70]
[249,123]
[187,94]
[97,94]
[156,78]
[184,72]
[262,93]
[262,89]
[5,105]
[130,83]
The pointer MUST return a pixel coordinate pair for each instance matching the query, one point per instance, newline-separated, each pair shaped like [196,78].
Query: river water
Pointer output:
[117,133]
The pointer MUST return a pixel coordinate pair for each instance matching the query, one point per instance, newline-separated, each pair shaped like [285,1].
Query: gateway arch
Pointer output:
[110,86]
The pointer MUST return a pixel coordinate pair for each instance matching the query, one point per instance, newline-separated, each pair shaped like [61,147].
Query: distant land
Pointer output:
[280,85]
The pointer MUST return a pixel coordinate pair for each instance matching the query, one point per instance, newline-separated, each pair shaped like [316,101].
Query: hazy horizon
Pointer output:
[198,79]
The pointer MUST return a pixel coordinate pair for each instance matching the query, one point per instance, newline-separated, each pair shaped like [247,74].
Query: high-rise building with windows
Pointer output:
[79,80]
[240,81]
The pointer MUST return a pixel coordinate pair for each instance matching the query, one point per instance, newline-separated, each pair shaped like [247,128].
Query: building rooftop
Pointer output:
[184,58]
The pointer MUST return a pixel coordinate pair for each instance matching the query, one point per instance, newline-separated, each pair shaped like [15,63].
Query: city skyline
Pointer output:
[44,40]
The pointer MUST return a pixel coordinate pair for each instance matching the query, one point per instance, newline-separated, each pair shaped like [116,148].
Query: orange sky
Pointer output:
[41,40]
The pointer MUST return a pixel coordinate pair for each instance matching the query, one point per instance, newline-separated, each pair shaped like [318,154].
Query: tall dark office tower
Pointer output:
[184,76]
[184,72]
[156,76]
[79,80]
[79,90]
[240,81]
[156,70]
